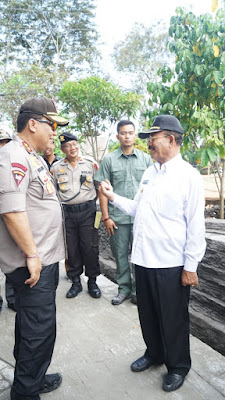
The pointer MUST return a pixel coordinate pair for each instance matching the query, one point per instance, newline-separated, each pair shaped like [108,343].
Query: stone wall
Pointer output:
[207,303]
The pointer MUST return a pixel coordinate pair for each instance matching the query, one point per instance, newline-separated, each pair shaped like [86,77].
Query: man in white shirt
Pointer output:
[169,241]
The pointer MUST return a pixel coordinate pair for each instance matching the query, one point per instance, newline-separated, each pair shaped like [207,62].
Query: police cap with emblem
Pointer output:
[4,135]
[163,123]
[45,107]
[67,137]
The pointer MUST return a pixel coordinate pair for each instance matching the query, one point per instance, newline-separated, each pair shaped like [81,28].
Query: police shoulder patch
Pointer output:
[18,176]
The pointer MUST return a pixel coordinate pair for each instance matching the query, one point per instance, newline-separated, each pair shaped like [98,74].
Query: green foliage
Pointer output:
[96,105]
[139,144]
[47,32]
[15,88]
[141,53]
[194,90]
[41,43]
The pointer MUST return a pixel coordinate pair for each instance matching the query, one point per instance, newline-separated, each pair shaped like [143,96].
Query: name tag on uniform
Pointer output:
[145,182]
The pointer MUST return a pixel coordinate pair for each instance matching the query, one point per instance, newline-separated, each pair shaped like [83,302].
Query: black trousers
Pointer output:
[9,292]
[82,243]
[163,312]
[35,328]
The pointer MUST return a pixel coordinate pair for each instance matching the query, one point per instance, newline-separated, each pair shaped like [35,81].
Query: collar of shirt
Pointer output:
[169,165]
[120,153]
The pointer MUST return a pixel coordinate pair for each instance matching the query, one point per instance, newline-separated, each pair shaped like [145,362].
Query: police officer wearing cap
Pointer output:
[29,256]
[5,137]
[74,180]
[169,241]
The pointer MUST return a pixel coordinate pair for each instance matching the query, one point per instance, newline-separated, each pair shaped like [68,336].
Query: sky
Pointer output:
[115,18]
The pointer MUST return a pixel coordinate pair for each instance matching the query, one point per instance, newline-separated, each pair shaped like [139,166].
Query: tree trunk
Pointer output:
[222,190]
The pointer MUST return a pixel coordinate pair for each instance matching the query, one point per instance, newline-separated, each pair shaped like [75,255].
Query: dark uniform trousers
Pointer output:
[163,312]
[9,292]
[35,328]
[82,240]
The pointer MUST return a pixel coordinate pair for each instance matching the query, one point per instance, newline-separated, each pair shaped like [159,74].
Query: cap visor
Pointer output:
[56,118]
[145,135]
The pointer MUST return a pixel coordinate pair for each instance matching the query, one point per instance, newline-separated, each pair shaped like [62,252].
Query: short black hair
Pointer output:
[178,137]
[23,119]
[124,122]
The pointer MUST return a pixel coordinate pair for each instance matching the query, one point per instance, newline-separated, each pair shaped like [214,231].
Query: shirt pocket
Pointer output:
[118,175]
[88,183]
[138,173]
[169,204]
[63,183]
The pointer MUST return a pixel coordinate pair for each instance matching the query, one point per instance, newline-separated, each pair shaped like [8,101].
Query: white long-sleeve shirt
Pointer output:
[169,225]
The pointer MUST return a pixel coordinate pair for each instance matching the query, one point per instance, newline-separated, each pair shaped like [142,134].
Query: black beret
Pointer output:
[67,137]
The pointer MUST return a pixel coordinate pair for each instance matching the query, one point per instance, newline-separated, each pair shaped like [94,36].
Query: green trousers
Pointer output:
[120,243]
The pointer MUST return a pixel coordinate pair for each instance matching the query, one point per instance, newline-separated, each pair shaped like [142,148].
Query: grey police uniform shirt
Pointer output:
[67,180]
[26,186]
[124,173]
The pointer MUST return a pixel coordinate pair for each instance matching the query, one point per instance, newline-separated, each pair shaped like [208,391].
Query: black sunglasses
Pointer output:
[51,123]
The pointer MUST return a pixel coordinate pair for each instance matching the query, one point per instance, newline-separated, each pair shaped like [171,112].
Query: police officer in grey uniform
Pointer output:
[74,180]
[29,256]
[9,291]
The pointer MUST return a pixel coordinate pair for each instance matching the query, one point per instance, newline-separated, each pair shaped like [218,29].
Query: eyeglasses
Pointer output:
[51,123]
[151,138]
[70,145]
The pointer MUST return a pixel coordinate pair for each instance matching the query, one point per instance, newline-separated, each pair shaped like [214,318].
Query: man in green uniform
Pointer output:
[74,179]
[124,169]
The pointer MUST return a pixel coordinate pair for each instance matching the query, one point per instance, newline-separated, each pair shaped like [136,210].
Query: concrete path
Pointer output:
[96,343]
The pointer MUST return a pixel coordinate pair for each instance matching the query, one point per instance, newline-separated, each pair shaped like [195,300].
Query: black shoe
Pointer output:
[172,382]
[93,288]
[133,299]
[15,396]
[75,288]
[12,306]
[52,382]
[142,364]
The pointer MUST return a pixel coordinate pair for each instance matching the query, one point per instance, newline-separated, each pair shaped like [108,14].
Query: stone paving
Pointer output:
[96,343]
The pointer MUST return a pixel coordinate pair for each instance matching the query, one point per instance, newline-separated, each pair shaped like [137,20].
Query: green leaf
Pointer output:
[222,151]
[217,76]
[208,80]
[204,158]
[212,153]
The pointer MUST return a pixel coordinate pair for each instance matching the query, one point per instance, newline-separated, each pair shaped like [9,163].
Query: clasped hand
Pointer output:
[106,189]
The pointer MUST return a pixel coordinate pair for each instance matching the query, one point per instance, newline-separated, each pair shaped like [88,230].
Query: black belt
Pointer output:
[78,207]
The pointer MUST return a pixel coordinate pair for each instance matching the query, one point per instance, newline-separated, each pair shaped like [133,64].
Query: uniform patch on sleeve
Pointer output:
[20,166]
[18,176]
[96,166]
